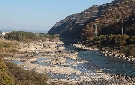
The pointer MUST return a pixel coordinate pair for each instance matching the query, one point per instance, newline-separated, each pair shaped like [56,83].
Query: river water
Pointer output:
[111,65]
[96,61]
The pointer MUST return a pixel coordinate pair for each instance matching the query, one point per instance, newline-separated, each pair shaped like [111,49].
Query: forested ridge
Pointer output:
[115,29]
[72,25]
[115,24]
[109,18]
[119,13]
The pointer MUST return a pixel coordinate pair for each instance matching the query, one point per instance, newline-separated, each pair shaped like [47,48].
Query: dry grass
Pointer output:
[3,40]
[12,48]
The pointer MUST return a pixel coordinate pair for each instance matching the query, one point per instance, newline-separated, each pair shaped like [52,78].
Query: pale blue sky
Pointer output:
[40,14]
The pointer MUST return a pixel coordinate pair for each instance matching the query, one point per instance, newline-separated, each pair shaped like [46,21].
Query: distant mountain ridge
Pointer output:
[108,17]
[33,31]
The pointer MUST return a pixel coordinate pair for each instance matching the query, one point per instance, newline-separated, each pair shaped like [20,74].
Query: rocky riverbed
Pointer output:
[59,63]
[106,52]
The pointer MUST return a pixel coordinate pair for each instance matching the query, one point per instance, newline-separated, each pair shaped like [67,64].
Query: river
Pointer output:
[96,61]
[111,65]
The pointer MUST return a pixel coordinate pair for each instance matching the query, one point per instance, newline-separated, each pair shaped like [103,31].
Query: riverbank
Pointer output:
[84,47]
[115,80]
[106,52]
[58,63]
[116,53]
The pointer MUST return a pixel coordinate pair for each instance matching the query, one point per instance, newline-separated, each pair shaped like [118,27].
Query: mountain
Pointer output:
[109,17]
[72,25]
[120,14]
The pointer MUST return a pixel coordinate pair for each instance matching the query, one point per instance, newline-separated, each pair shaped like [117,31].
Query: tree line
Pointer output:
[124,43]
[28,36]
[20,36]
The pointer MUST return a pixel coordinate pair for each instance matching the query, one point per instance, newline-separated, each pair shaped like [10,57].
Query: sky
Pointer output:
[39,15]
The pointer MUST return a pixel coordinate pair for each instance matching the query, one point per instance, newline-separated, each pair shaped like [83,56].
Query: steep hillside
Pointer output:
[119,14]
[115,29]
[72,25]
[109,17]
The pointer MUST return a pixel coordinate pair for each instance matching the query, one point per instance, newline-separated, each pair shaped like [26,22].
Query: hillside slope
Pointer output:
[109,17]
[119,14]
[72,25]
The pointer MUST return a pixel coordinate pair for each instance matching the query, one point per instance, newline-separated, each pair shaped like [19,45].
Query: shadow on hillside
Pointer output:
[69,40]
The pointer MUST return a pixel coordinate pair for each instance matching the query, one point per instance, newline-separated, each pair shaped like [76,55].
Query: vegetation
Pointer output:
[110,19]
[117,15]
[8,46]
[71,26]
[5,79]
[11,74]
[111,40]
[21,36]
[44,37]
[26,77]
[4,45]
[124,43]
[113,17]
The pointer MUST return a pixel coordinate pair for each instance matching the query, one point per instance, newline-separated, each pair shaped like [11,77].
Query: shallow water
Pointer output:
[81,67]
[109,65]
[16,61]
[96,61]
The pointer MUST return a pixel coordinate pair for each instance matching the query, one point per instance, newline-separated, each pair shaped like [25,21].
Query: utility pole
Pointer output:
[122,28]
[95,29]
